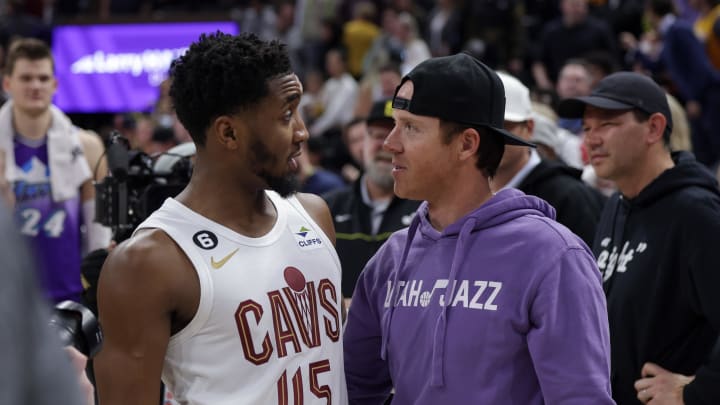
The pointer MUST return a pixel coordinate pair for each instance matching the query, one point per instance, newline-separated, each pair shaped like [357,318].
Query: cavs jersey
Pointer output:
[52,227]
[268,326]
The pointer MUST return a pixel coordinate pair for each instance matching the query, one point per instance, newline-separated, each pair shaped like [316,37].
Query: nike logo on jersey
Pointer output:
[216,265]
[342,217]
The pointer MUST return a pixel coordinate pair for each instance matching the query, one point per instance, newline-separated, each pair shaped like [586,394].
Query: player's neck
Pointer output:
[249,213]
[32,126]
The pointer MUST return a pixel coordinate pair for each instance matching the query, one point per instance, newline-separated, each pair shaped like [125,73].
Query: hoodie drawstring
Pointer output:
[387,316]
[438,350]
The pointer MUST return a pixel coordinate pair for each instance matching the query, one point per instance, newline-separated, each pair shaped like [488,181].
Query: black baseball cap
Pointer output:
[621,91]
[458,88]
[381,111]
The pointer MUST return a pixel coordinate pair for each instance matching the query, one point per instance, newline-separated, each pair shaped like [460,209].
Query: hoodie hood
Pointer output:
[502,207]
[687,172]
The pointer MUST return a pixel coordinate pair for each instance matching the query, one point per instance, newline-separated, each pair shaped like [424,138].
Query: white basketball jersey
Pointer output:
[268,329]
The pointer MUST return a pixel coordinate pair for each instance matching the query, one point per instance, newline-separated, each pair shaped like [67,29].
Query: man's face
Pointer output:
[423,164]
[355,141]
[615,142]
[515,156]
[276,135]
[574,81]
[32,85]
[378,163]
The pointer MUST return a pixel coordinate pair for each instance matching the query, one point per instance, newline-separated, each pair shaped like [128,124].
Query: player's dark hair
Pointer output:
[223,74]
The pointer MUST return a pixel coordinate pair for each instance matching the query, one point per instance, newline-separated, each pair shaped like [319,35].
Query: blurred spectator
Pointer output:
[577,206]
[359,35]
[574,80]
[376,86]
[685,62]
[354,135]
[312,176]
[415,50]
[311,105]
[313,18]
[445,28]
[387,47]
[337,95]
[709,16]
[569,36]
[498,24]
[46,160]
[257,17]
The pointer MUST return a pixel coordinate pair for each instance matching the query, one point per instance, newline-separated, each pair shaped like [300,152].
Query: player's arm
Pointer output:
[94,152]
[97,236]
[143,287]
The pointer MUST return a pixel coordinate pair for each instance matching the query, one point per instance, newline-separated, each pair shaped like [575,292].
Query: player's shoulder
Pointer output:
[148,251]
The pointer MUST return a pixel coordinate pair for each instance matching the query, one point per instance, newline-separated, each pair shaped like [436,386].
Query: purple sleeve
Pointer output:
[570,339]
[368,376]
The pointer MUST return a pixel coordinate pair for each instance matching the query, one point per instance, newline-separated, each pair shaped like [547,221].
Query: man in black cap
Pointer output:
[655,245]
[485,298]
[367,212]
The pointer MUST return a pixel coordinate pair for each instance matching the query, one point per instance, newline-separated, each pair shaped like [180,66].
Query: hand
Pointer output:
[87,391]
[661,387]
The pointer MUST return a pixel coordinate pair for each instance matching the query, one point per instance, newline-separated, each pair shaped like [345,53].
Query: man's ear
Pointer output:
[656,128]
[225,131]
[469,143]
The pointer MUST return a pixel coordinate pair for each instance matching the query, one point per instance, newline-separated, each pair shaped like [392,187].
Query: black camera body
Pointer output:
[78,327]
[138,184]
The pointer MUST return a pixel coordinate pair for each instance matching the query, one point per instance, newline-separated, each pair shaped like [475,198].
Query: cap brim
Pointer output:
[509,138]
[575,107]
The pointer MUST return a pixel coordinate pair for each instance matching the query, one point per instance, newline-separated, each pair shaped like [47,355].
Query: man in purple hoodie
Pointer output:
[485,298]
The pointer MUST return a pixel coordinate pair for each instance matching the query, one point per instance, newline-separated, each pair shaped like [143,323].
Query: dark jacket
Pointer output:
[577,205]
[353,230]
[661,268]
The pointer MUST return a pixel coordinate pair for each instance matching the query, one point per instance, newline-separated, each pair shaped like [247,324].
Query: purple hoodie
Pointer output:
[503,307]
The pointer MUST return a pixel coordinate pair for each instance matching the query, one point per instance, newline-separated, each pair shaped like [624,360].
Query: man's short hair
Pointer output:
[223,74]
[27,48]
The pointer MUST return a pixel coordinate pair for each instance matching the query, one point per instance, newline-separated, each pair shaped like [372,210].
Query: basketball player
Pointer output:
[48,163]
[231,290]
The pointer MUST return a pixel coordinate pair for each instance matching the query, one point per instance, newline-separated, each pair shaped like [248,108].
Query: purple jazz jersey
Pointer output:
[53,228]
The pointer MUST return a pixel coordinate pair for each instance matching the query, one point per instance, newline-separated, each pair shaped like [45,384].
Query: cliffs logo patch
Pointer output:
[307,239]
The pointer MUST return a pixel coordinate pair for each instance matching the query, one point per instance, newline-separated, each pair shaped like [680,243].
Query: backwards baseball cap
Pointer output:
[621,91]
[458,88]
[381,111]
[518,107]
